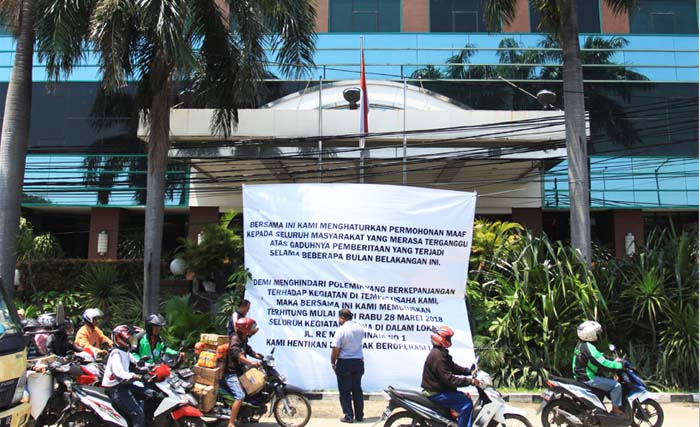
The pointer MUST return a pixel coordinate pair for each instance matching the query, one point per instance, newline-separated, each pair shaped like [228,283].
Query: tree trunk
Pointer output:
[575,120]
[13,144]
[158,142]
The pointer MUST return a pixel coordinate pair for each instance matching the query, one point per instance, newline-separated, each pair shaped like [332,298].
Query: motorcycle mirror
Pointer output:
[612,347]
[60,314]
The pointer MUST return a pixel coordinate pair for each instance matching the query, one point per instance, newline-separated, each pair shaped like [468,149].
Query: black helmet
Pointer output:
[155,319]
[30,324]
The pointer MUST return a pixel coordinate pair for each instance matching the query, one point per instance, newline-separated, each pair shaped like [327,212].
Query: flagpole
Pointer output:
[362,112]
[320,128]
[405,142]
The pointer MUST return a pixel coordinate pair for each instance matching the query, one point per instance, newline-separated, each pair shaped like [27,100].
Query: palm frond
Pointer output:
[621,6]
[114,29]
[497,11]
[10,14]
[62,30]
[292,24]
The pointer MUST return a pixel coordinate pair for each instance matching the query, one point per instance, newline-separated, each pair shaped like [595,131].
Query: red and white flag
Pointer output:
[364,106]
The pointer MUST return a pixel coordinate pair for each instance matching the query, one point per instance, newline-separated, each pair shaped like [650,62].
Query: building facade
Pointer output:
[467,123]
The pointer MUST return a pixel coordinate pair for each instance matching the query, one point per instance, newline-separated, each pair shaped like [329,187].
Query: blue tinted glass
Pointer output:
[361,16]
[664,17]
[457,16]
[630,182]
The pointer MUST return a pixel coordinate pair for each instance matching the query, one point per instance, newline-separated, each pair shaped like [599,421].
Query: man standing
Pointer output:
[346,358]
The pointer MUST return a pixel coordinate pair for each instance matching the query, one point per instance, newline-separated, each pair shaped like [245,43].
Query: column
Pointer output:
[414,16]
[627,221]
[104,221]
[322,16]
[530,218]
[200,216]
[521,22]
[611,23]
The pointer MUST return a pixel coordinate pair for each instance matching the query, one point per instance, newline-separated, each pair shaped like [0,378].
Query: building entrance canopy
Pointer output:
[499,154]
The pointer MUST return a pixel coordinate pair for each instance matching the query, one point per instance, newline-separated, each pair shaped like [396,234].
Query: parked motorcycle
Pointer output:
[574,404]
[417,410]
[49,390]
[287,402]
[165,402]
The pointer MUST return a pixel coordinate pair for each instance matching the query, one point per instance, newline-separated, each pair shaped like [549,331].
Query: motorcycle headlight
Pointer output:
[19,389]
[283,378]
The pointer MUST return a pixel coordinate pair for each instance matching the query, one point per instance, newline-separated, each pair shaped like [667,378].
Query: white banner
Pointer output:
[396,256]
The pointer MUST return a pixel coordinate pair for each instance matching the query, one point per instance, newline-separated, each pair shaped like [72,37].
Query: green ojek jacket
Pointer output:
[153,354]
[588,359]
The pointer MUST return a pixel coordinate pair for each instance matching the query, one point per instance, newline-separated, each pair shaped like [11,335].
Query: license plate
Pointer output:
[546,395]
[386,413]
[6,421]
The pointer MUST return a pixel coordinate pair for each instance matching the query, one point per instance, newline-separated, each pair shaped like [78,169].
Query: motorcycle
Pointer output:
[574,404]
[165,403]
[48,390]
[287,402]
[417,410]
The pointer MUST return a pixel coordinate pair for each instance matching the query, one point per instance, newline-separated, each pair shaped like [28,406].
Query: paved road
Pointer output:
[326,414]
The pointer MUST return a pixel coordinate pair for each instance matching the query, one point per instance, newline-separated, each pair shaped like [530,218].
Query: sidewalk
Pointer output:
[518,397]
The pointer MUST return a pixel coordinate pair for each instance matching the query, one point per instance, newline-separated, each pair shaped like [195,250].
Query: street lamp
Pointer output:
[352,95]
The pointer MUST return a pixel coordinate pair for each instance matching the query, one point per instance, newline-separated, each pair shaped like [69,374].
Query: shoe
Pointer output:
[617,411]
[359,419]
[346,419]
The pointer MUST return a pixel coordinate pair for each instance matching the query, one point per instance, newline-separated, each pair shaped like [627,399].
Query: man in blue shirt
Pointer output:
[347,362]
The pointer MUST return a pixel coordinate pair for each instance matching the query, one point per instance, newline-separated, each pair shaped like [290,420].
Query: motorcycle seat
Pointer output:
[97,392]
[598,392]
[417,397]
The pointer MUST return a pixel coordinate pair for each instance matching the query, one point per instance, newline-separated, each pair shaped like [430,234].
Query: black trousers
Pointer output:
[349,373]
[123,399]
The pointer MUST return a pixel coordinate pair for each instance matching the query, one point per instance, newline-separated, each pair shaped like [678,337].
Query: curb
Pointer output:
[518,397]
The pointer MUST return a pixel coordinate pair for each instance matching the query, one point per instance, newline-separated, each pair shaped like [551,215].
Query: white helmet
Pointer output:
[589,330]
[91,314]
[47,320]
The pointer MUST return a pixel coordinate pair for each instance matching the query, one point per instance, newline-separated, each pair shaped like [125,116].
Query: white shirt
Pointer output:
[117,368]
[348,338]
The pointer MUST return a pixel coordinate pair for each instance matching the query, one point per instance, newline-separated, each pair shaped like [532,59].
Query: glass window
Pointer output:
[365,16]
[588,17]
[664,17]
[457,16]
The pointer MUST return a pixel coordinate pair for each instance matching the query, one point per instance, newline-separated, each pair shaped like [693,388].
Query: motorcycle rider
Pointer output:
[59,342]
[237,351]
[117,378]
[442,377]
[588,359]
[241,312]
[90,335]
[152,345]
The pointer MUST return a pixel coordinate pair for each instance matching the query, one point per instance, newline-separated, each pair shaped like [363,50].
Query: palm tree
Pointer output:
[561,17]
[19,16]
[218,45]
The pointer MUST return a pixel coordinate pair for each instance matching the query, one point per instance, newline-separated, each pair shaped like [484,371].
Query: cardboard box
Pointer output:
[214,339]
[206,396]
[209,376]
[252,381]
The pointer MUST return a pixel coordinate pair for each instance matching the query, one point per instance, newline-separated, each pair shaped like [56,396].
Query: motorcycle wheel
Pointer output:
[548,412]
[405,419]
[82,419]
[191,422]
[512,420]
[653,412]
[299,412]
